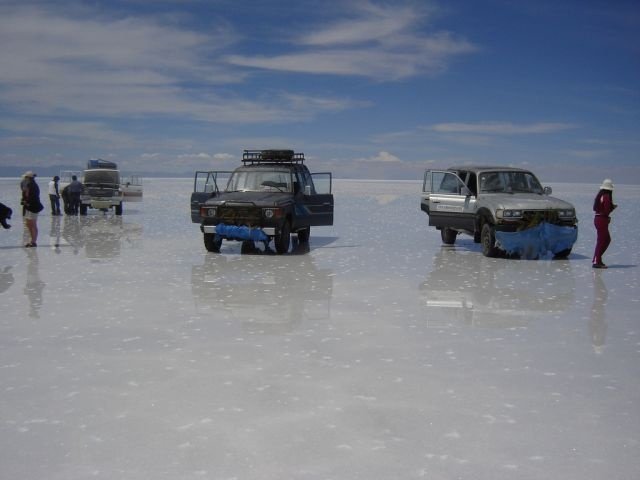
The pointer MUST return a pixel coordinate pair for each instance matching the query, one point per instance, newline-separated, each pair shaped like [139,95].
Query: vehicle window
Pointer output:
[446,182]
[260,180]
[509,182]
[308,181]
[95,177]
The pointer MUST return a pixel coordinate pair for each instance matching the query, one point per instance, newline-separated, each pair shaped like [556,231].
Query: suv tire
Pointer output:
[212,242]
[283,238]
[304,234]
[488,240]
[448,235]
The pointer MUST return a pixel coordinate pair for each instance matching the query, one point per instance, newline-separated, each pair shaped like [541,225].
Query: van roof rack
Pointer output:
[251,157]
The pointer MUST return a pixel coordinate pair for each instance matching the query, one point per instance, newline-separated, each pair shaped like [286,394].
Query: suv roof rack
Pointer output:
[252,157]
[100,163]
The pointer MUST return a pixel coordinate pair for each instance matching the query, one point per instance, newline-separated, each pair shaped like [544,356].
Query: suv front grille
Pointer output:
[531,218]
[100,192]
[249,215]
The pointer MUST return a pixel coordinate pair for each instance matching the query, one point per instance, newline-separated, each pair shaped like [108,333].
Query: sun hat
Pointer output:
[607,184]
[29,174]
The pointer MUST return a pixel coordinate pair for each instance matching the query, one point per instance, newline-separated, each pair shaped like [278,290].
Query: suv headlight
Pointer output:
[270,213]
[567,213]
[509,213]
[208,211]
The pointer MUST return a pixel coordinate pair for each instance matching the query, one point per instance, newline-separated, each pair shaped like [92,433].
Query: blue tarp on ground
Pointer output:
[537,241]
[241,233]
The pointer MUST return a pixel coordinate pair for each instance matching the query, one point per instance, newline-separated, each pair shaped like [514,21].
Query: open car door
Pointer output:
[318,199]
[205,186]
[449,201]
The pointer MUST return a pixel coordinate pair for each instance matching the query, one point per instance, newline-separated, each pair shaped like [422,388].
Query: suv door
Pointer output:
[449,201]
[205,186]
[317,198]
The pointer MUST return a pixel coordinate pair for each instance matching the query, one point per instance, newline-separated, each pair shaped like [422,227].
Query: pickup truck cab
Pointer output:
[271,196]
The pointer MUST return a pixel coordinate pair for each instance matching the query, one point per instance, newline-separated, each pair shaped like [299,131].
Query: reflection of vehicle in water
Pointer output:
[101,237]
[265,294]
[481,291]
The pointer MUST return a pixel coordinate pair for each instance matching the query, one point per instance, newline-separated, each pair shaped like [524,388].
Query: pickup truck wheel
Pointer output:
[304,234]
[119,209]
[488,240]
[212,242]
[448,236]
[283,238]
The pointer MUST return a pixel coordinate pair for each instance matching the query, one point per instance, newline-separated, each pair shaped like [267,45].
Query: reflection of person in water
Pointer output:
[54,234]
[597,318]
[72,233]
[6,279]
[34,286]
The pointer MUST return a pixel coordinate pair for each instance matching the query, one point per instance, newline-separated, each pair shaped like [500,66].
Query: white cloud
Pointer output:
[373,23]
[381,157]
[500,128]
[223,157]
[381,43]
[55,63]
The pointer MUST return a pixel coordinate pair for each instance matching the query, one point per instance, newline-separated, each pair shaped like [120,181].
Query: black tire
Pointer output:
[488,240]
[304,234]
[83,209]
[562,254]
[248,246]
[283,238]
[119,209]
[448,236]
[212,242]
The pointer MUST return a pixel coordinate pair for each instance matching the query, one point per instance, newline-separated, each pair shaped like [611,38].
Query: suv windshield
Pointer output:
[260,181]
[95,177]
[509,182]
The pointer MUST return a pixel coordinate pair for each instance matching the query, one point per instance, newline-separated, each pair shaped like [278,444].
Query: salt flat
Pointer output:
[127,351]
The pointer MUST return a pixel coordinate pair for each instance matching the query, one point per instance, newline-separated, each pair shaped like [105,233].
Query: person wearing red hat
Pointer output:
[602,206]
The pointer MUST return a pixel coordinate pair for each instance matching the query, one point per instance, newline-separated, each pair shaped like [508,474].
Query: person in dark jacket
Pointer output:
[32,207]
[602,206]
[5,214]
[75,188]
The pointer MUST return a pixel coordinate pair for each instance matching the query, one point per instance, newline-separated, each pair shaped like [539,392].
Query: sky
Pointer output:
[366,89]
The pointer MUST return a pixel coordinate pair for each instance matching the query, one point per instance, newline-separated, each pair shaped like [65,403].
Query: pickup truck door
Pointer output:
[447,200]
[205,186]
[318,199]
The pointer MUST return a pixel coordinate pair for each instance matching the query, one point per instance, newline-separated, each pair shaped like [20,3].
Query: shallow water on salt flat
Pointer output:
[127,351]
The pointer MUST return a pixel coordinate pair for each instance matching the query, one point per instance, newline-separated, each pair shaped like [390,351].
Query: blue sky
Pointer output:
[365,89]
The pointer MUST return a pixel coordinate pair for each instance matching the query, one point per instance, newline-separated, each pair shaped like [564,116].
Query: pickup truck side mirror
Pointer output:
[547,190]
[307,189]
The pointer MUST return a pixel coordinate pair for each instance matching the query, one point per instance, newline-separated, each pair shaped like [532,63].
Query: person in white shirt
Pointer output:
[54,196]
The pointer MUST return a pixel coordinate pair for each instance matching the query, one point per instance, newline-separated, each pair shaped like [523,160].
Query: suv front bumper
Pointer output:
[269,231]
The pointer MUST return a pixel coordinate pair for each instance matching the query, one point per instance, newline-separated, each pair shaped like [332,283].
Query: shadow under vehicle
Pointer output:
[484,292]
[266,298]
[505,209]
[271,196]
